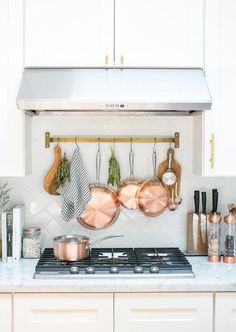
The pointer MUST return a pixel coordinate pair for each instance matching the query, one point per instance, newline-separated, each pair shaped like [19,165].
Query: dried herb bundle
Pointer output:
[114,170]
[63,172]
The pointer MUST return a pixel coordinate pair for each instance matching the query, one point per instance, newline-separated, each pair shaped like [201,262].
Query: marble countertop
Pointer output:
[18,277]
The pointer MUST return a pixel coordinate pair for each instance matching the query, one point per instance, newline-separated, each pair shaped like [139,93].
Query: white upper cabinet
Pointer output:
[74,33]
[220,70]
[14,124]
[159,33]
[79,33]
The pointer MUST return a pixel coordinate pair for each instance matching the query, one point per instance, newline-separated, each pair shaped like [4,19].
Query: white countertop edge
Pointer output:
[18,278]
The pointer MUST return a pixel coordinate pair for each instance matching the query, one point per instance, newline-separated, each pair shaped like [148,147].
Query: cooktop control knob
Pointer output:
[138,269]
[74,269]
[114,269]
[90,269]
[154,269]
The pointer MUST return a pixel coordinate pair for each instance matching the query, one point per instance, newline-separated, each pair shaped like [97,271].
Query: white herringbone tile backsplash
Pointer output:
[169,229]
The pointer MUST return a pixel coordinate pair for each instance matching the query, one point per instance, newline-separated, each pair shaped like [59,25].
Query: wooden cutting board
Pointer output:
[50,184]
[176,168]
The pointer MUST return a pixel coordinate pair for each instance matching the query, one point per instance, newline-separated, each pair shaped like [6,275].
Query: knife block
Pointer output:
[200,248]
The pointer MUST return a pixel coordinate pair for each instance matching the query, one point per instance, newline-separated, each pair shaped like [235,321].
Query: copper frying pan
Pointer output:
[152,196]
[104,207]
[128,188]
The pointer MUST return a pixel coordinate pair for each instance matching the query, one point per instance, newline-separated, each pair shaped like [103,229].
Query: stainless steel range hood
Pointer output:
[114,91]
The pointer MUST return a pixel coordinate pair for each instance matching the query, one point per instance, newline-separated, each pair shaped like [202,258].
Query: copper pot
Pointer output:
[75,247]
[152,197]
[103,209]
[128,188]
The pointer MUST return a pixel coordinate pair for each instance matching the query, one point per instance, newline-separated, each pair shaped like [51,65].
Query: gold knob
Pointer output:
[122,60]
[106,60]
[212,158]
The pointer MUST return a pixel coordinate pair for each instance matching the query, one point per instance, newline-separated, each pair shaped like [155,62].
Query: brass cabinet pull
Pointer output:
[122,60]
[106,60]
[212,159]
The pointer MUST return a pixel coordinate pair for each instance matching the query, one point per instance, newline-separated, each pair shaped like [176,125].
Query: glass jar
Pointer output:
[229,238]
[214,238]
[31,246]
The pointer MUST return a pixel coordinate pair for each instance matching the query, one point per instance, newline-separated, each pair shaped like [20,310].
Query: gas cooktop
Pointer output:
[122,262]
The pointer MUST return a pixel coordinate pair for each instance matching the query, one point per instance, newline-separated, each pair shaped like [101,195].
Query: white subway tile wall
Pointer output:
[169,229]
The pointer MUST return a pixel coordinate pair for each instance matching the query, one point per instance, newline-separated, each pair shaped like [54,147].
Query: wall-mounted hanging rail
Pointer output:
[111,139]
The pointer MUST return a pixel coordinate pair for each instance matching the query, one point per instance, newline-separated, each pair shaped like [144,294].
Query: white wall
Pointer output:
[169,229]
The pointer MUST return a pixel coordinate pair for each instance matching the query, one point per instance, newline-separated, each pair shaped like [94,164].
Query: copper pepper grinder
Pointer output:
[229,239]
[214,231]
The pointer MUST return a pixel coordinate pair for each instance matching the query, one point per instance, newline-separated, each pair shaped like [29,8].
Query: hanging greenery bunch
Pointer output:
[63,172]
[114,170]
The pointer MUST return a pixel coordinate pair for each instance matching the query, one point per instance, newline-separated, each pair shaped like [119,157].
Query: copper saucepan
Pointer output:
[75,247]
[104,207]
[128,188]
[152,196]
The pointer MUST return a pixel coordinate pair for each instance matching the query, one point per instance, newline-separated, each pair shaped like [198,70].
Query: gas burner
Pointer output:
[138,262]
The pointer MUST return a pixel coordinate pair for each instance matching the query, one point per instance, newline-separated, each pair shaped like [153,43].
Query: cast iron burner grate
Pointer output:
[139,262]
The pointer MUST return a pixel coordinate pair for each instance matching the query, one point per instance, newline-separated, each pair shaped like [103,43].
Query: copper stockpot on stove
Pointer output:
[75,247]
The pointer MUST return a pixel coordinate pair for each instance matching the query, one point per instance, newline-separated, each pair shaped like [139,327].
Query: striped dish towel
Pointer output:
[76,192]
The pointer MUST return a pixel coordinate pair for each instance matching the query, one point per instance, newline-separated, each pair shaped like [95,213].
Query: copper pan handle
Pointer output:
[131,165]
[102,239]
[154,163]
[98,166]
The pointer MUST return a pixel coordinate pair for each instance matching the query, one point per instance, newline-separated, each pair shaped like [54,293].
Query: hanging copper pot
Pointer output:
[152,196]
[128,188]
[104,207]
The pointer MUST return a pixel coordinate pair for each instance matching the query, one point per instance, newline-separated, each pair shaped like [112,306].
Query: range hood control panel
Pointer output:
[114,106]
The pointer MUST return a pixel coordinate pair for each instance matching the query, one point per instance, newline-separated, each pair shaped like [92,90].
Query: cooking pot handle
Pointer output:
[102,239]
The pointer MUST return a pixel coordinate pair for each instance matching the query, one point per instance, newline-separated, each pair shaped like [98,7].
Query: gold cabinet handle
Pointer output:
[122,60]
[212,158]
[106,60]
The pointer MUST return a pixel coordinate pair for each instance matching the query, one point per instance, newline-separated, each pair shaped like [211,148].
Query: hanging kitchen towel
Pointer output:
[76,192]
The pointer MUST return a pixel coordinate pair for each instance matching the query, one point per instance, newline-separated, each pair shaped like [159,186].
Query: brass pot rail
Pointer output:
[49,139]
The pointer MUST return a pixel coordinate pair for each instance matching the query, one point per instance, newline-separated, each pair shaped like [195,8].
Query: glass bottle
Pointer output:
[31,242]
[229,239]
[214,238]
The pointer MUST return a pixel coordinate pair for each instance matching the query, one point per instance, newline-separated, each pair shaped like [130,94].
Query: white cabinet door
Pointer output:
[225,312]
[159,33]
[14,124]
[63,312]
[5,313]
[74,33]
[163,312]
[220,69]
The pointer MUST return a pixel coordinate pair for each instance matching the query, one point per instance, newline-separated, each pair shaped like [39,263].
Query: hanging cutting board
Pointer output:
[176,169]
[50,184]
